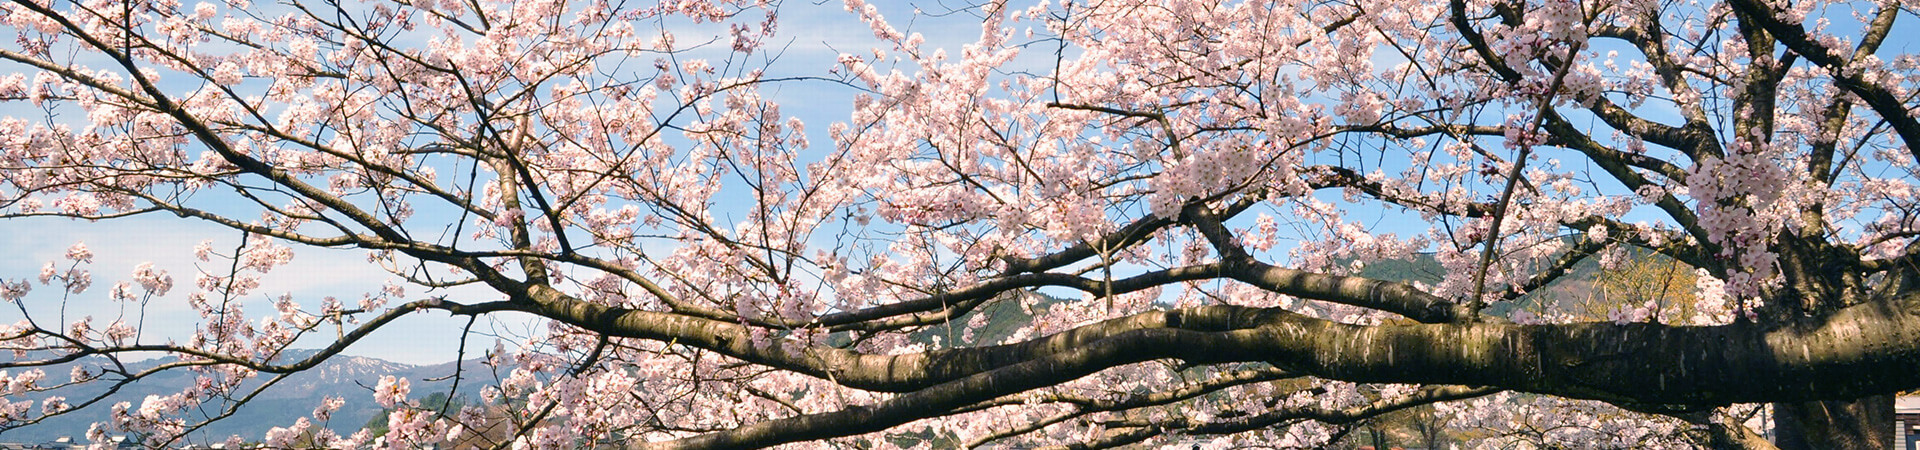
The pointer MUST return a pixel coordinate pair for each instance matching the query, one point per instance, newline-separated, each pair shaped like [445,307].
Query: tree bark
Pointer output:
[1864,423]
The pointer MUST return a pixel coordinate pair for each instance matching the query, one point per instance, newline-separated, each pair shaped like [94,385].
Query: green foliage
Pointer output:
[1422,268]
[1004,317]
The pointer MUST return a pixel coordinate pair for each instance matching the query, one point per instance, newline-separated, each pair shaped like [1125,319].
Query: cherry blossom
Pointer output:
[1096,223]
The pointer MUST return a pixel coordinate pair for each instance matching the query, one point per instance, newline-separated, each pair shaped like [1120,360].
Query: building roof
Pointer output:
[1906,404]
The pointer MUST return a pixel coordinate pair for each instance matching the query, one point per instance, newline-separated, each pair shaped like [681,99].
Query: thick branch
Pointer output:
[1426,396]
[1397,298]
[1857,351]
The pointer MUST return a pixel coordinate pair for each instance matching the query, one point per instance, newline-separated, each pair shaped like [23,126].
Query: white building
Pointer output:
[1906,422]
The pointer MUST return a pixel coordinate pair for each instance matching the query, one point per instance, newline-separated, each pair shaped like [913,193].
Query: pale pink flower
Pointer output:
[390,391]
[79,253]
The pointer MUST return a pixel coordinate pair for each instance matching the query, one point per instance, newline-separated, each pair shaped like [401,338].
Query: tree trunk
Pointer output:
[1865,423]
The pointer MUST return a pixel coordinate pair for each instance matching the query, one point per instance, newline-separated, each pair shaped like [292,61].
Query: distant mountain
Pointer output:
[1005,316]
[1422,268]
[1576,283]
[348,377]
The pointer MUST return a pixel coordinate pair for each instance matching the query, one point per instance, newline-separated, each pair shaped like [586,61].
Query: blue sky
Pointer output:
[812,37]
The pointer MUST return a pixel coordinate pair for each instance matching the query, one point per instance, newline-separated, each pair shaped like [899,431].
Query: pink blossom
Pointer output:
[77,280]
[204,11]
[154,281]
[79,253]
[203,250]
[390,391]
[14,291]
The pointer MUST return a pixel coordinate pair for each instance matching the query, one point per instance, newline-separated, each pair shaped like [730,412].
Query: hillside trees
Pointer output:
[1636,286]
[1209,177]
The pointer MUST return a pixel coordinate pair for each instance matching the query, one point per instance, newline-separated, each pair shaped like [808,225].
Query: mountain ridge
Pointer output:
[350,377]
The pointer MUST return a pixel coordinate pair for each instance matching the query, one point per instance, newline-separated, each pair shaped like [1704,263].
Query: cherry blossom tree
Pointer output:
[1203,182]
